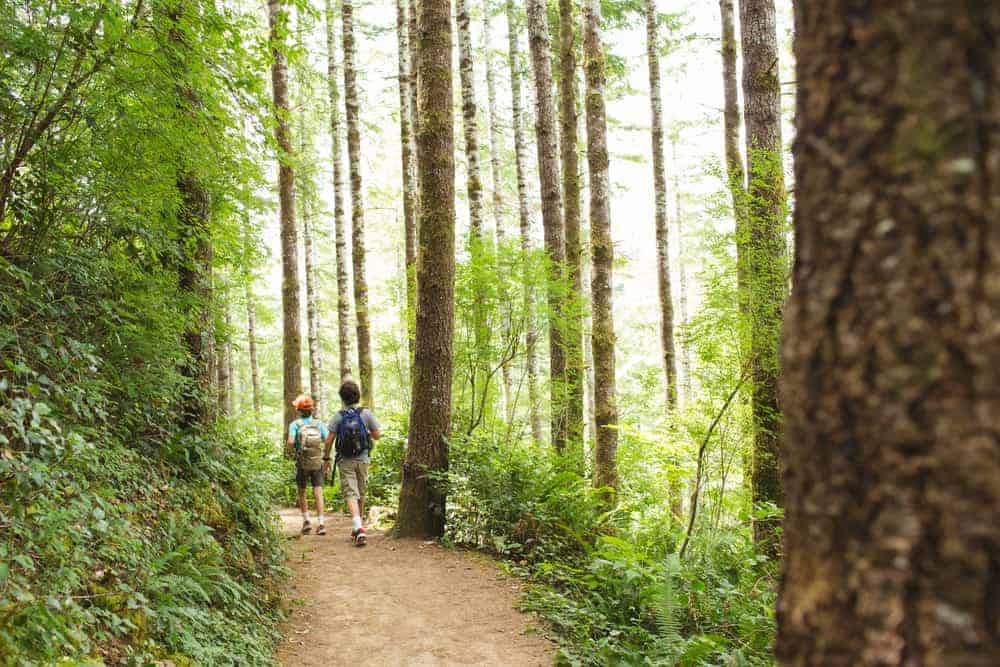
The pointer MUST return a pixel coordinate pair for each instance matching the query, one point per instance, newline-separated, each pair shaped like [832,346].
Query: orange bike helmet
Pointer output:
[303,403]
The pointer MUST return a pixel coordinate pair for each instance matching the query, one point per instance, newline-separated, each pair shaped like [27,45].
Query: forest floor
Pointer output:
[400,602]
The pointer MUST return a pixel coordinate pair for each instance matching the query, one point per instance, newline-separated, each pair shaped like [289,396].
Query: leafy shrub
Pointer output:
[121,536]
[608,583]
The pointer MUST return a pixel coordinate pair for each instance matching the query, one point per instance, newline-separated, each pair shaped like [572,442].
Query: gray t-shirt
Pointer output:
[370,423]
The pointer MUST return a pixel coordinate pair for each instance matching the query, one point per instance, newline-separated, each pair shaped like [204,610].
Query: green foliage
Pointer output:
[123,538]
[609,585]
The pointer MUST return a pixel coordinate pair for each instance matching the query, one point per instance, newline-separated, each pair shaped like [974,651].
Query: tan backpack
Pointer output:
[310,445]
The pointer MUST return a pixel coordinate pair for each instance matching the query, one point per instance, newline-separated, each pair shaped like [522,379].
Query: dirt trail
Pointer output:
[411,603]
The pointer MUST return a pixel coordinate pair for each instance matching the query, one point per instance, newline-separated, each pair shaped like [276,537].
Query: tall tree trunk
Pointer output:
[660,212]
[480,360]
[312,312]
[552,222]
[605,460]
[524,219]
[291,330]
[224,356]
[682,284]
[408,166]
[497,180]
[766,270]
[365,370]
[470,128]
[573,310]
[252,345]
[734,161]
[195,278]
[892,341]
[194,268]
[421,501]
[340,225]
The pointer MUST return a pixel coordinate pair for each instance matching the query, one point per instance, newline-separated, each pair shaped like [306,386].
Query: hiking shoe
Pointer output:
[306,527]
[321,529]
[358,535]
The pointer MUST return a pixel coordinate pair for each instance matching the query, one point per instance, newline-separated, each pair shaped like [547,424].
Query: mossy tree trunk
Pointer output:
[408,166]
[732,119]
[572,311]
[766,273]
[470,129]
[892,339]
[421,501]
[340,224]
[552,217]
[524,220]
[362,320]
[660,221]
[603,341]
[290,306]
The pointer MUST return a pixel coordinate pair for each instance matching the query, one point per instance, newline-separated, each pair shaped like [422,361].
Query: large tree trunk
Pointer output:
[734,161]
[365,370]
[892,466]
[408,166]
[660,211]
[572,318]
[552,220]
[291,333]
[312,313]
[252,346]
[766,261]
[340,225]
[524,219]
[422,502]
[606,412]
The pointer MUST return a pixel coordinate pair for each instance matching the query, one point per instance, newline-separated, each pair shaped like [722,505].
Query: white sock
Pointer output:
[320,519]
[357,522]
[305,515]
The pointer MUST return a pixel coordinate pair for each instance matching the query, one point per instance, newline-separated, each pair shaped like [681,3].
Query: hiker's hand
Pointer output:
[326,467]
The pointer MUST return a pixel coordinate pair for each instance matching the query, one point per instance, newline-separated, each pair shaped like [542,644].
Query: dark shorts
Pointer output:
[308,477]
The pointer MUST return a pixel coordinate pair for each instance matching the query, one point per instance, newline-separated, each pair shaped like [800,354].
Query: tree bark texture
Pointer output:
[572,318]
[421,500]
[603,337]
[195,278]
[340,225]
[732,118]
[892,340]
[766,255]
[363,326]
[661,224]
[290,307]
[252,346]
[552,218]
[408,166]
[524,219]
[312,313]
[474,179]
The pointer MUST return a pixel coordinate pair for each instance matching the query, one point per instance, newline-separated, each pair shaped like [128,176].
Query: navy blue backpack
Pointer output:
[352,434]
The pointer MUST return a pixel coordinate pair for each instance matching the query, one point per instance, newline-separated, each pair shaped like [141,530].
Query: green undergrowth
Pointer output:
[609,585]
[123,539]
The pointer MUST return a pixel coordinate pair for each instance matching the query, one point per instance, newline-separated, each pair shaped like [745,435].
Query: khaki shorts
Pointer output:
[353,478]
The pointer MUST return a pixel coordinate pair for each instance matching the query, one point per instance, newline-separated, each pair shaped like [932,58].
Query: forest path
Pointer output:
[408,602]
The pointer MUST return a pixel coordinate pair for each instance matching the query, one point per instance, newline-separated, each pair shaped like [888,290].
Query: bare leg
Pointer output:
[302,502]
[352,505]
[318,495]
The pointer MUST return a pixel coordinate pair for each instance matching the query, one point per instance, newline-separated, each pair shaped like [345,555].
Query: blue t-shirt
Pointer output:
[293,429]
